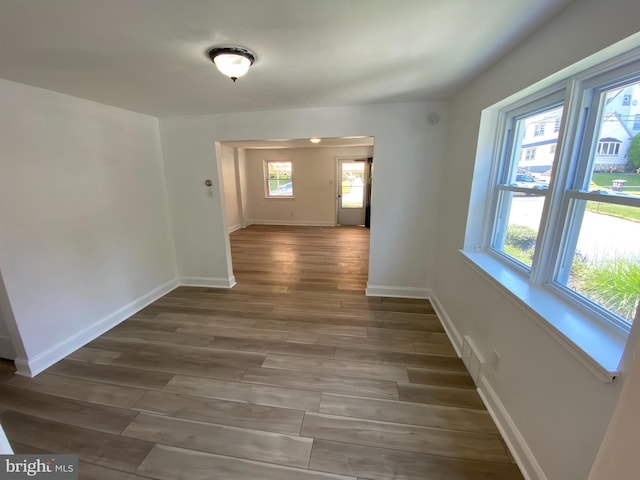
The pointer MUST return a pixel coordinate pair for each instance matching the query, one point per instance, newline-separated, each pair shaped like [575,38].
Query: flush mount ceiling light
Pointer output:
[315,140]
[232,62]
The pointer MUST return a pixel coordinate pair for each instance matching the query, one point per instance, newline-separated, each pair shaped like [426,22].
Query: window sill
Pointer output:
[595,345]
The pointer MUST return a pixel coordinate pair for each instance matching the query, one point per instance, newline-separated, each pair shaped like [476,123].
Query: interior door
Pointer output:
[352,185]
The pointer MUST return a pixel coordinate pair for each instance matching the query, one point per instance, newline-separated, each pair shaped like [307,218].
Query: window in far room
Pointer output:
[278,176]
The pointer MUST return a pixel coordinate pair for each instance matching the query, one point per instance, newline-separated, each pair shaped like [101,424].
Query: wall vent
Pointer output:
[471,358]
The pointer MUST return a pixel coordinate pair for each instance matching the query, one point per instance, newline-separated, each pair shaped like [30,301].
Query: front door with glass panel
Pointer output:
[352,185]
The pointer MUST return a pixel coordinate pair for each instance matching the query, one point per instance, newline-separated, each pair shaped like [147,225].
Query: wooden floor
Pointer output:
[294,374]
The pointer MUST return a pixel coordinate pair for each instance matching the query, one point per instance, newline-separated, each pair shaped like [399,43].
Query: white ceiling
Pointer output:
[149,56]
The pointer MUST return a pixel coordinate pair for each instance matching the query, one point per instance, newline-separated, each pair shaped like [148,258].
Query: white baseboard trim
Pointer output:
[518,447]
[396,292]
[210,282]
[233,228]
[452,332]
[31,367]
[6,348]
[294,223]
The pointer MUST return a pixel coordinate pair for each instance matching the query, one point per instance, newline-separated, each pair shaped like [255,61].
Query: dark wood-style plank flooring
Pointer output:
[293,374]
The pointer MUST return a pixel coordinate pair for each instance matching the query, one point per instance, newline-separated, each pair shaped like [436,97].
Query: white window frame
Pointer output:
[504,166]
[596,337]
[266,179]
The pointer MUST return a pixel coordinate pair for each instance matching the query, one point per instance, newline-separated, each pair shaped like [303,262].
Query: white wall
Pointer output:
[6,346]
[7,349]
[560,409]
[618,455]
[230,179]
[314,179]
[85,236]
[408,156]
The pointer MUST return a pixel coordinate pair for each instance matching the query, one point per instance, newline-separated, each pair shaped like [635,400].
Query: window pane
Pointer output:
[605,265]
[617,127]
[280,180]
[352,184]
[518,237]
[533,153]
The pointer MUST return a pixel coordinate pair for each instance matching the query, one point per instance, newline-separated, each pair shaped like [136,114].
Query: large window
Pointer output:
[278,178]
[523,185]
[566,221]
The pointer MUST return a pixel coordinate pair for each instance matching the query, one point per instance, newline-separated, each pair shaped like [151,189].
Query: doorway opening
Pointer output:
[354,191]
[329,185]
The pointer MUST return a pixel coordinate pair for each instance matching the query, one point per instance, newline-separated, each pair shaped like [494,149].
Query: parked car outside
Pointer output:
[527,181]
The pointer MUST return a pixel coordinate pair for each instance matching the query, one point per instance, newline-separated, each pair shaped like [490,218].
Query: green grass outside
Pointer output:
[525,256]
[612,283]
[620,211]
[605,181]
[273,183]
